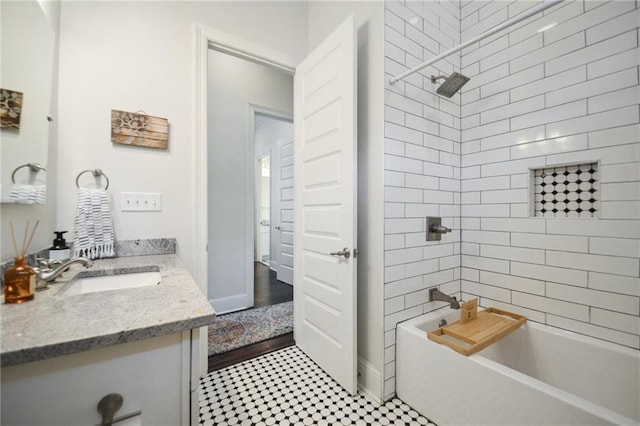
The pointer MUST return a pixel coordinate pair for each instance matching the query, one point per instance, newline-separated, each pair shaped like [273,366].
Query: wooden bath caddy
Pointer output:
[491,325]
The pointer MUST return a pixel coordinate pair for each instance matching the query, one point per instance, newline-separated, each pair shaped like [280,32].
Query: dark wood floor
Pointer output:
[217,362]
[267,291]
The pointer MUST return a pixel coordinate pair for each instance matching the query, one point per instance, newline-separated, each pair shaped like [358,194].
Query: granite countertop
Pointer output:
[55,324]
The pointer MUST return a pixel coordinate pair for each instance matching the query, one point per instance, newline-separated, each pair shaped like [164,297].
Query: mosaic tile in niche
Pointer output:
[567,191]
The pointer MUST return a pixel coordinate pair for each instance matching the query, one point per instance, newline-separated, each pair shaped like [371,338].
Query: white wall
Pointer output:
[139,56]
[567,95]
[269,130]
[234,85]
[324,17]
[422,166]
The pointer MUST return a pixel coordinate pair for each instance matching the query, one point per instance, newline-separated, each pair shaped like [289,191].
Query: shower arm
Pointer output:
[434,79]
[506,24]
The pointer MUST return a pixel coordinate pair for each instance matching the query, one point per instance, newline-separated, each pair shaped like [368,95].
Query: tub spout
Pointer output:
[435,294]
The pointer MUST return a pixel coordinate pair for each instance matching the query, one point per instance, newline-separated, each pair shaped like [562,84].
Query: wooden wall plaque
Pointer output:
[129,128]
[10,109]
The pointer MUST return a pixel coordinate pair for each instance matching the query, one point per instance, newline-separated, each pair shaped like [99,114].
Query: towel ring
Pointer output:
[34,167]
[94,172]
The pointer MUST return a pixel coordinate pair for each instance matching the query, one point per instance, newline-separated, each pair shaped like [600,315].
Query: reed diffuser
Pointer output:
[20,280]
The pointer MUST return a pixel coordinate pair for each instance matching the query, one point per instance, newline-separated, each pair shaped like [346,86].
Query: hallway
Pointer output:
[267,291]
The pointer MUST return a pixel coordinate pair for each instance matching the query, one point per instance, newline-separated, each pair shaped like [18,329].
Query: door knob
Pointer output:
[278,227]
[344,252]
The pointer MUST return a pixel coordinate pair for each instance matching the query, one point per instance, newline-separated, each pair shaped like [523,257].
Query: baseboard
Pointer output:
[285,274]
[225,305]
[390,395]
[369,380]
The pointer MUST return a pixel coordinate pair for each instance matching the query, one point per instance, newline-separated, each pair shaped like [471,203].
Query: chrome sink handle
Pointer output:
[49,275]
[48,263]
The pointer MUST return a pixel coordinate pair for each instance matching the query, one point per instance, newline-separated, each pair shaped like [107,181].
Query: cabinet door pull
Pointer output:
[108,406]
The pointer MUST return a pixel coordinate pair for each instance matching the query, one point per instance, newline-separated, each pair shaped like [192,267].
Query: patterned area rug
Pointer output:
[238,329]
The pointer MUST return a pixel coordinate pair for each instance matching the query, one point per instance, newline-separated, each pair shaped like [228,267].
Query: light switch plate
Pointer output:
[141,201]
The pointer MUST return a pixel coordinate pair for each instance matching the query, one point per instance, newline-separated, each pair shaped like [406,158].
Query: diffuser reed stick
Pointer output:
[24,251]
[13,236]
[24,240]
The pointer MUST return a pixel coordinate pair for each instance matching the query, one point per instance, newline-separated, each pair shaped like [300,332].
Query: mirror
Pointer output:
[26,79]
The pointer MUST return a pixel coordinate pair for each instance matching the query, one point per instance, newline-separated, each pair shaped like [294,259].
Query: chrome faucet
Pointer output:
[46,275]
[435,294]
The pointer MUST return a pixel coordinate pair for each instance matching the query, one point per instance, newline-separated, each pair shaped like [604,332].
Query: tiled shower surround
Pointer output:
[422,165]
[536,99]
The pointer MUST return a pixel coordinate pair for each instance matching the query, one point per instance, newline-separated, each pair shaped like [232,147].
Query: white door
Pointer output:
[283,232]
[325,215]
[276,229]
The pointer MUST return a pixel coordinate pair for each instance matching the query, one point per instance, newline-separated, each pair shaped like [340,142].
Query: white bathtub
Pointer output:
[537,375]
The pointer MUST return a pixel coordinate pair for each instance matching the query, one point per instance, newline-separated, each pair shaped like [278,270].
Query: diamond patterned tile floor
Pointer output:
[287,388]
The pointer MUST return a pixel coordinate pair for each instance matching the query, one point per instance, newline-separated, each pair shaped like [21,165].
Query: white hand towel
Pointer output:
[93,225]
[28,194]
[41,194]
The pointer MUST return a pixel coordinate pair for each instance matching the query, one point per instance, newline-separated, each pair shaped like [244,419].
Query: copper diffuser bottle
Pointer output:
[19,282]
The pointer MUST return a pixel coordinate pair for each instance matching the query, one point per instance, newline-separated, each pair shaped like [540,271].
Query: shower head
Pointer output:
[452,84]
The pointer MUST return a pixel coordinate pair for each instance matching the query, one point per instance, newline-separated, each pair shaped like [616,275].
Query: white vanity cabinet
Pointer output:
[61,353]
[154,376]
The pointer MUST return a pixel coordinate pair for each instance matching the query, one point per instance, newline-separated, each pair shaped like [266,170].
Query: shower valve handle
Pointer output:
[439,229]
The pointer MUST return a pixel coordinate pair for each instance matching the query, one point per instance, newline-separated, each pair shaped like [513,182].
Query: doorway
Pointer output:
[263,210]
[250,109]
[273,147]
[246,101]
[325,110]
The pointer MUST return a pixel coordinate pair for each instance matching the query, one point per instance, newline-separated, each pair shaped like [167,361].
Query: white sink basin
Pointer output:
[113,282]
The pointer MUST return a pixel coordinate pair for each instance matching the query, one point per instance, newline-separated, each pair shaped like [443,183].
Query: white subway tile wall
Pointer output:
[575,98]
[422,165]
[568,95]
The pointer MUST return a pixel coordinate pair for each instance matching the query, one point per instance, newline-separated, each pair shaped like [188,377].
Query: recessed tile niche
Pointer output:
[567,191]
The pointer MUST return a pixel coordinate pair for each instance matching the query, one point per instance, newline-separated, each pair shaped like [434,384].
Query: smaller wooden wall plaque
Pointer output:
[10,109]
[129,128]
